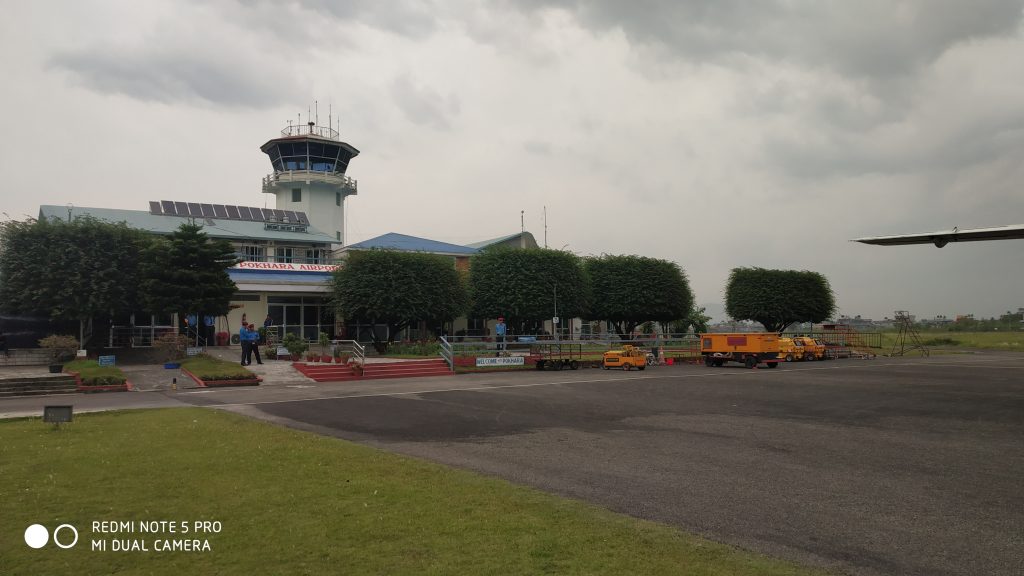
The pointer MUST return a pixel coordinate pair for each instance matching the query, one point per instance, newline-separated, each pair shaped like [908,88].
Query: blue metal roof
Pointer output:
[404,243]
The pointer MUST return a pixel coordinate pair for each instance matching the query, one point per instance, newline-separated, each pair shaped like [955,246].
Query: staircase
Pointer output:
[37,385]
[374,370]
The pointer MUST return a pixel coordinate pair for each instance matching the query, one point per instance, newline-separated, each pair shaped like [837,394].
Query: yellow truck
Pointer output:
[749,349]
[628,358]
[812,349]
[789,350]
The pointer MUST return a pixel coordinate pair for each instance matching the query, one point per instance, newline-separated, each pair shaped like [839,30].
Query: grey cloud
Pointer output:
[175,77]
[411,18]
[876,38]
[422,105]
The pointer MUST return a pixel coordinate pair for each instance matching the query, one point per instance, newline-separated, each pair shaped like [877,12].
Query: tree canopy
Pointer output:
[525,285]
[186,272]
[630,290]
[69,270]
[396,289]
[778,298]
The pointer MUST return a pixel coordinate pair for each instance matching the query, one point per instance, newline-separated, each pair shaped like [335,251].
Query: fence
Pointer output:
[462,352]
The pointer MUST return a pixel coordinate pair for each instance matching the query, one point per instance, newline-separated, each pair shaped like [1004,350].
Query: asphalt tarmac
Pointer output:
[884,466]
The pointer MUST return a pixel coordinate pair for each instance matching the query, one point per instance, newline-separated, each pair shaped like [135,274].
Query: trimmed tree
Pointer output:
[526,286]
[396,289]
[778,298]
[186,272]
[76,270]
[631,290]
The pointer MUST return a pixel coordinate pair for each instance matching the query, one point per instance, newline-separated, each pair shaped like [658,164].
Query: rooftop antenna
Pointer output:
[330,110]
[522,221]
[545,226]
[316,107]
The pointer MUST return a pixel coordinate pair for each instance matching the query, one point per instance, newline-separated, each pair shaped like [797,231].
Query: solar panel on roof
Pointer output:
[232,212]
[194,209]
[243,213]
[279,215]
[219,211]
[181,208]
[207,210]
[257,214]
[290,217]
[302,218]
[168,207]
[154,208]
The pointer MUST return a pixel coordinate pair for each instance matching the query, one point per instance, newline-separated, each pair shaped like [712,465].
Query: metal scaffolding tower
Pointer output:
[907,340]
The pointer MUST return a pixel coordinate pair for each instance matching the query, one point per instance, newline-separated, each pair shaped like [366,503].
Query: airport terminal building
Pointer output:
[287,253]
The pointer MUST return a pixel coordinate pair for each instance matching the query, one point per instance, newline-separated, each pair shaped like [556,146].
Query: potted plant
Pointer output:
[295,346]
[62,349]
[324,342]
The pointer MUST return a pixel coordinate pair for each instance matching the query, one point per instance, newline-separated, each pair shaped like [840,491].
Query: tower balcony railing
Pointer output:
[311,130]
[270,181]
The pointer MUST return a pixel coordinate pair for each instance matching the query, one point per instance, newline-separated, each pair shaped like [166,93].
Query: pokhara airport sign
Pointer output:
[286,266]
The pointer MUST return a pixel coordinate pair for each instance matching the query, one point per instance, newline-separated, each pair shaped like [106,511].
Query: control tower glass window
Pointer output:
[309,155]
[296,194]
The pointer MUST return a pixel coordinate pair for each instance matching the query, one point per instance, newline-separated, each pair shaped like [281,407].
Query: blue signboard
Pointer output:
[106,360]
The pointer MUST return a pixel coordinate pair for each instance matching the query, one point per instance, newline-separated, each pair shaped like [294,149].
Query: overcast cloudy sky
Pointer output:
[715,134]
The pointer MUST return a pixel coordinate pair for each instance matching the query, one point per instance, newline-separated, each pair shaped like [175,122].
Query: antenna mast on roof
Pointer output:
[522,221]
[316,107]
[545,226]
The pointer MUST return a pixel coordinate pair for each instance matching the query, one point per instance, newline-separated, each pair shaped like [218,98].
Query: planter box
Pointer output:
[254,381]
[126,387]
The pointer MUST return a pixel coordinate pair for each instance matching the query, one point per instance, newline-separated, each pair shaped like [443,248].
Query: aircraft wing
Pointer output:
[943,237]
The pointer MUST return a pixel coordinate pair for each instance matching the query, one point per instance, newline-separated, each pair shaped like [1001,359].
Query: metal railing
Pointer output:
[137,336]
[447,353]
[357,351]
[270,180]
[679,348]
[308,130]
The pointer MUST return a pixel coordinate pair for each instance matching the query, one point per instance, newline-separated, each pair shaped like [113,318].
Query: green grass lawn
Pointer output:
[92,373]
[210,368]
[1012,341]
[296,503]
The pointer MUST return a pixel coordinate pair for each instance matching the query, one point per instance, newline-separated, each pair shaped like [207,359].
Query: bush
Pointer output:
[295,345]
[417,348]
[171,346]
[62,348]
[941,342]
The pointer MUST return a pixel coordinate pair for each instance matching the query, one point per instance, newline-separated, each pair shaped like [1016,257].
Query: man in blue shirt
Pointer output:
[499,333]
[243,339]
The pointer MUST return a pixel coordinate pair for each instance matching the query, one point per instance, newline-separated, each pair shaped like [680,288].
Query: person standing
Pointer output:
[254,344]
[268,322]
[499,334]
[243,338]
[208,331]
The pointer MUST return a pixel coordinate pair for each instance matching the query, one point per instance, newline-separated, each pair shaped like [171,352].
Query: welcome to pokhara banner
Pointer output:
[286,266]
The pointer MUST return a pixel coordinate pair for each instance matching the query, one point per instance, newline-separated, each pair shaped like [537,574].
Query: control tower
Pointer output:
[309,164]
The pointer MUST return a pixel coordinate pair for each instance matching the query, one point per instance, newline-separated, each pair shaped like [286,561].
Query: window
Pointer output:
[284,255]
[315,256]
[296,194]
[252,253]
[338,234]
[337,198]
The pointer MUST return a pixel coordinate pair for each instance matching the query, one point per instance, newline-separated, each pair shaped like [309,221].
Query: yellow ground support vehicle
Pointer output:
[750,349]
[628,358]
[813,350]
[789,350]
